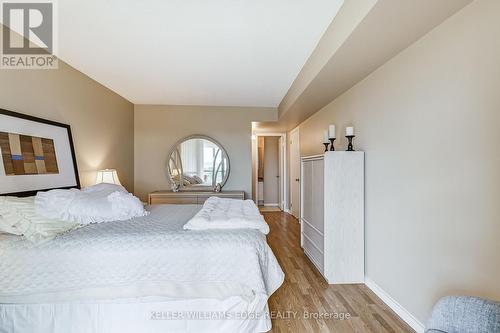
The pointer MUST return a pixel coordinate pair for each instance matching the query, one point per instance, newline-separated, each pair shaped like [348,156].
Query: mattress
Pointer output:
[146,260]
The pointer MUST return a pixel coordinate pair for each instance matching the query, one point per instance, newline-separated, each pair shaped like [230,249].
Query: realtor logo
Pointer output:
[28,35]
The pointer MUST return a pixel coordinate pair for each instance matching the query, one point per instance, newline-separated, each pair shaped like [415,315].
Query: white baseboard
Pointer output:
[271,205]
[395,306]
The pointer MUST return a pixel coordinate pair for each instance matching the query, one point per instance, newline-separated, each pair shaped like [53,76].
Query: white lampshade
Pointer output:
[109,176]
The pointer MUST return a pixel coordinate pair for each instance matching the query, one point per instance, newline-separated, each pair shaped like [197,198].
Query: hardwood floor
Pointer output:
[305,294]
[269,209]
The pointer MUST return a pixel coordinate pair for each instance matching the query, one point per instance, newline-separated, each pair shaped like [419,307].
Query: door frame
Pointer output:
[299,205]
[283,173]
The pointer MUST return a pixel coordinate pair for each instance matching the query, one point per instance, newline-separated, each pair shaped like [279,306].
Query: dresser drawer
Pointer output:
[156,200]
[190,197]
[313,253]
[316,237]
[202,198]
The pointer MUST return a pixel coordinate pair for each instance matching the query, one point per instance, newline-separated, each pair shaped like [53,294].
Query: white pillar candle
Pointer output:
[349,131]
[331,131]
[325,136]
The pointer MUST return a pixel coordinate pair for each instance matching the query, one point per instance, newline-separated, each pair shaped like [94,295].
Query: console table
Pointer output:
[190,197]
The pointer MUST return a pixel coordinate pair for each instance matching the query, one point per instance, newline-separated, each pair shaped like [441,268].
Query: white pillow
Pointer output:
[19,218]
[104,187]
[198,180]
[94,204]
[191,180]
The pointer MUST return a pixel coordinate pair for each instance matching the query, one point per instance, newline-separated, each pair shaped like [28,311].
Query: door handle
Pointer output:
[296,179]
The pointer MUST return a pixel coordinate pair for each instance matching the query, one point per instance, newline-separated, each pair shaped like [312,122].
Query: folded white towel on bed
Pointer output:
[94,204]
[222,213]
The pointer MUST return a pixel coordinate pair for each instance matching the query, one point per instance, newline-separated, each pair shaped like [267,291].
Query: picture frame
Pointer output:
[35,155]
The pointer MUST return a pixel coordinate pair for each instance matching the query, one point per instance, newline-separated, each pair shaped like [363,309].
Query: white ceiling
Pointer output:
[193,52]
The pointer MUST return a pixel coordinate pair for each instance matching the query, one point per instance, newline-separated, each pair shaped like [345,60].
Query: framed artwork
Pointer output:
[35,155]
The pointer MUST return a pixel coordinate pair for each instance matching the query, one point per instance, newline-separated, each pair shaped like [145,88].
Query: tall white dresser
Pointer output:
[332,214]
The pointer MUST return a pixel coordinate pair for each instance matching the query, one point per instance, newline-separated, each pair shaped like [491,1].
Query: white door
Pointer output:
[295,173]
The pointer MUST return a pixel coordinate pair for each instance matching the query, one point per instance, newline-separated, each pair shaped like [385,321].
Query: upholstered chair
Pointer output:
[464,314]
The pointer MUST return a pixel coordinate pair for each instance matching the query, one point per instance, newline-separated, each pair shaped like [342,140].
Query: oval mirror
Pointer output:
[198,163]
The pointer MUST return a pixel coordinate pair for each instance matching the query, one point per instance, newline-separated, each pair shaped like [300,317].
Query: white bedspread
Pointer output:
[145,256]
[222,213]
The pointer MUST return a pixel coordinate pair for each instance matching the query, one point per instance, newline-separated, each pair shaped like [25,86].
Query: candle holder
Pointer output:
[332,148]
[326,146]
[349,145]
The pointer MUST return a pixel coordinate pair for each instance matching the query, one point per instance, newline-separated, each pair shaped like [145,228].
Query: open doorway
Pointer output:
[269,171]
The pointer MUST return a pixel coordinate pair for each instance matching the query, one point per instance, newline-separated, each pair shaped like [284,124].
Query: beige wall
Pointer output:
[158,128]
[271,170]
[429,121]
[101,121]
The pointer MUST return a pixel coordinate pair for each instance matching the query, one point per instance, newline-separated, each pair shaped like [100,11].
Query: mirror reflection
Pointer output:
[198,163]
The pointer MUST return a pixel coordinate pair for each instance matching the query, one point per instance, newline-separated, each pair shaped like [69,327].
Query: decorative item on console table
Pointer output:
[191,197]
[349,134]
[326,139]
[331,134]
[349,145]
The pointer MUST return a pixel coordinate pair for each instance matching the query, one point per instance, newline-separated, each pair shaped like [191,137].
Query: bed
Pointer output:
[146,274]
